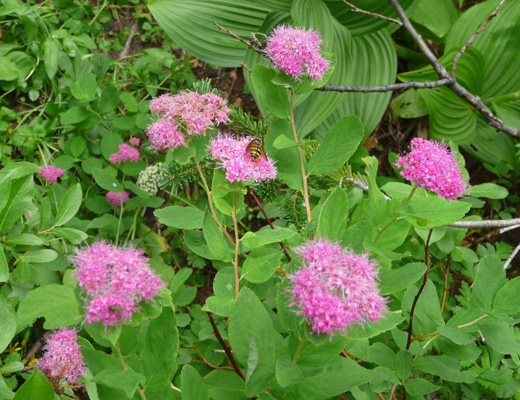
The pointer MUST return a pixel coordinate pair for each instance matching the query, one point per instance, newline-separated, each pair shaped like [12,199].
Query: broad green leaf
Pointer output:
[51,47]
[490,277]
[435,211]
[507,300]
[489,191]
[225,385]
[339,144]
[125,381]
[224,194]
[129,101]
[37,387]
[333,215]
[196,242]
[499,335]
[420,387]
[224,293]
[109,100]
[403,364]
[74,115]
[409,104]
[428,315]
[106,180]
[24,239]
[191,25]
[371,329]
[19,201]
[4,267]
[266,235]
[215,239]
[45,212]
[507,108]
[455,334]
[74,236]
[85,88]
[192,385]
[261,264]
[395,280]
[435,15]
[180,217]
[274,97]
[445,367]
[39,256]
[56,303]
[17,170]
[380,354]
[8,68]
[7,322]
[69,205]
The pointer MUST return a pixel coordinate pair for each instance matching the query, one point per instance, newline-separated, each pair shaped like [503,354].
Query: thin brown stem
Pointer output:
[302,165]
[203,359]
[210,201]
[446,284]
[416,299]
[359,10]
[225,347]
[386,88]
[474,37]
[259,203]
[235,36]
[237,242]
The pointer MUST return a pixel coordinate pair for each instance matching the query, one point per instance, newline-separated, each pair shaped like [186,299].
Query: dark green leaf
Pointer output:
[489,191]
[69,205]
[499,335]
[395,280]
[507,299]
[274,97]
[403,364]
[333,215]
[192,385]
[180,217]
[50,56]
[106,180]
[445,367]
[489,279]
[435,211]
[74,115]
[125,381]
[37,387]
[19,202]
[109,100]
[8,323]
[371,329]
[216,242]
[4,267]
[266,235]
[74,236]
[261,264]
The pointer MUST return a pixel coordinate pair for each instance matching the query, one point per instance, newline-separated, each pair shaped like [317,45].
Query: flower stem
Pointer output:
[237,243]
[120,355]
[121,211]
[305,186]
[210,201]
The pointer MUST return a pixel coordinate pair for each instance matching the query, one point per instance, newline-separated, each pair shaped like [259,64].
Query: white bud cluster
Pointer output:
[150,178]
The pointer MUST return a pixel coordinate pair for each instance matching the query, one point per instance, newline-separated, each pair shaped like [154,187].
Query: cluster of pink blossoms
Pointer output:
[115,281]
[335,288]
[115,198]
[433,166]
[51,173]
[297,52]
[125,153]
[189,112]
[62,358]
[235,159]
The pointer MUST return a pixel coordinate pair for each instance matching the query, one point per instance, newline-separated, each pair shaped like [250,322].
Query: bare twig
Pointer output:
[235,36]
[474,37]
[226,348]
[513,255]
[494,223]
[126,49]
[386,88]
[359,10]
[509,228]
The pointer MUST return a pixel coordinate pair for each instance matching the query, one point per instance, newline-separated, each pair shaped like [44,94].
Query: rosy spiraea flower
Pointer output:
[237,162]
[297,52]
[62,358]
[335,288]
[116,197]
[189,113]
[115,280]
[51,173]
[433,166]
[134,141]
[125,153]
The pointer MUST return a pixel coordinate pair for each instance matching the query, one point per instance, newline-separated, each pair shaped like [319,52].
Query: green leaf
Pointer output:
[371,329]
[216,242]
[338,146]
[77,146]
[427,213]
[109,100]
[224,293]
[50,56]
[19,201]
[37,387]
[507,300]
[403,364]
[69,205]
[106,180]
[24,239]
[8,323]
[445,367]
[489,191]
[125,381]
[8,68]
[261,264]
[266,235]
[499,335]
[180,217]
[224,194]
[395,280]
[435,15]
[274,97]
[74,115]
[409,104]
[333,215]
[129,101]
[39,256]
[74,236]
[490,277]
[4,267]
[56,303]
[420,387]
[191,25]
[225,385]
[192,385]
[85,88]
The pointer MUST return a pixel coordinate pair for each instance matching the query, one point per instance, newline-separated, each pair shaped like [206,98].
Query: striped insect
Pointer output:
[255,149]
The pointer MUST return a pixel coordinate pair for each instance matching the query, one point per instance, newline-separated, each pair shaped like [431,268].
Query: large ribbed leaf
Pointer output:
[361,24]
[371,61]
[276,5]
[190,24]
[435,15]
[498,44]
[508,111]
[314,14]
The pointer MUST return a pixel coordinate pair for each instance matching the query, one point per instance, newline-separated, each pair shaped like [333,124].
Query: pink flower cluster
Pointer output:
[62,358]
[134,141]
[433,166]
[236,160]
[335,288]
[51,173]
[189,112]
[115,281]
[116,197]
[297,52]
[125,153]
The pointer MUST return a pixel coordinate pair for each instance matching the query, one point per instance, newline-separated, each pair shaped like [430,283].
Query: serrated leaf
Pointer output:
[427,213]
[37,387]
[261,264]
[192,385]
[395,280]
[180,217]
[266,235]
[499,335]
[333,215]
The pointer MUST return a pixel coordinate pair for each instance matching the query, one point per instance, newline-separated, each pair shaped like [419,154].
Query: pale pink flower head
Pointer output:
[134,141]
[297,52]
[116,197]
[165,134]
[433,166]
[335,288]
[51,173]
[125,153]
[62,358]
[234,158]
[115,281]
